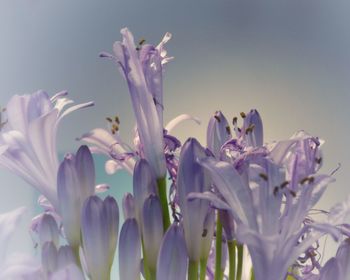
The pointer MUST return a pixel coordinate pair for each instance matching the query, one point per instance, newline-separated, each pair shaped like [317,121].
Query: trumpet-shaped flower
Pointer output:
[28,139]
[142,67]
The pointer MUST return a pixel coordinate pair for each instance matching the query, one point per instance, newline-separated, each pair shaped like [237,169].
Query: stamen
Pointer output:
[275,191]
[109,119]
[228,130]
[263,176]
[284,184]
[217,118]
[309,180]
[293,193]
[318,160]
[234,121]
[243,115]
[250,128]
[205,232]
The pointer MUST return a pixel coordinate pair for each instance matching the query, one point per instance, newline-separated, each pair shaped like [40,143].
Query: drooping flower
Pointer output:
[99,230]
[28,139]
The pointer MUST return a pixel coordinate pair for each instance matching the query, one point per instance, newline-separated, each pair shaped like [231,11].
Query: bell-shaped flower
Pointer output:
[99,230]
[172,259]
[142,67]
[218,132]
[332,270]
[28,139]
[75,183]
[130,251]
[152,230]
[192,177]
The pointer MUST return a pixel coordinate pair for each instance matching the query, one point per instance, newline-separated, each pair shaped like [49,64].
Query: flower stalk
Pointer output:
[232,259]
[161,184]
[218,246]
[193,270]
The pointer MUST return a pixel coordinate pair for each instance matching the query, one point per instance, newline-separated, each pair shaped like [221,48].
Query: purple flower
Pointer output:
[99,230]
[172,260]
[75,183]
[198,220]
[130,251]
[142,67]
[218,133]
[28,139]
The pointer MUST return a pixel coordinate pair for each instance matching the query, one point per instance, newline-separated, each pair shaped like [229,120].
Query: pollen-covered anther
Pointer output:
[228,130]
[275,191]
[250,128]
[243,115]
[234,120]
[217,118]
[318,160]
[284,184]
[293,193]
[263,176]
[205,232]
[308,180]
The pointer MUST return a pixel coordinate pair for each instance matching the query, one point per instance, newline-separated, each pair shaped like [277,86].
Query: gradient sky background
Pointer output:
[288,59]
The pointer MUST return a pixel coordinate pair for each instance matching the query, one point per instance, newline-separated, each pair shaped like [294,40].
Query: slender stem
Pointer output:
[193,270]
[240,262]
[232,259]
[218,245]
[203,269]
[145,263]
[161,182]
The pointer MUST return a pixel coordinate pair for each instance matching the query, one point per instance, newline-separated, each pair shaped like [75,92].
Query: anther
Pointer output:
[217,118]
[109,119]
[263,176]
[284,184]
[318,160]
[293,193]
[228,130]
[205,232]
[275,191]
[250,128]
[234,121]
[243,115]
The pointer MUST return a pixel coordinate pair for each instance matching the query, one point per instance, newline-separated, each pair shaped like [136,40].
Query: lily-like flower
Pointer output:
[75,183]
[99,228]
[172,260]
[142,67]
[130,251]
[271,232]
[192,177]
[28,139]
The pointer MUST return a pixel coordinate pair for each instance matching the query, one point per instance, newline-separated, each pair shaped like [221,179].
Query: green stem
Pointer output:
[192,270]
[145,263]
[240,262]
[232,259]
[161,183]
[203,269]
[218,245]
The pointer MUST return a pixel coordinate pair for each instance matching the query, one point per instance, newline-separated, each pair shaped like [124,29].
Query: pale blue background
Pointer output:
[289,59]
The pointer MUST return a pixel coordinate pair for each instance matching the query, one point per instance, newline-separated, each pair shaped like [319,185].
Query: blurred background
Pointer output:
[288,59]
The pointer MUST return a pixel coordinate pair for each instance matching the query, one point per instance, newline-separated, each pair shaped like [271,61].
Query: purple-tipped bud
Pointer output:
[130,251]
[172,260]
[193,178]
[253,129]
[144,183]
[99,225]
[128,206]
[152,230]
[48,230]
[75,183]
[218,132]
